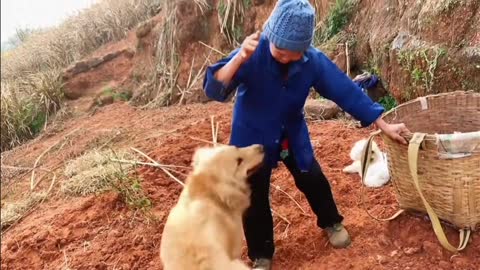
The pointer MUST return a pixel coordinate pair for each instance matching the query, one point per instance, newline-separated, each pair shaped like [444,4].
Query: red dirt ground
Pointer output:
[100,232]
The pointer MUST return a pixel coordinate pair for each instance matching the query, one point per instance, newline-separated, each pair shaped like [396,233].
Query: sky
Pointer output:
[36,13]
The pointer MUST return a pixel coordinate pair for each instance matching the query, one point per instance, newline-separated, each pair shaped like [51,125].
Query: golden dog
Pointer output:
[204,229]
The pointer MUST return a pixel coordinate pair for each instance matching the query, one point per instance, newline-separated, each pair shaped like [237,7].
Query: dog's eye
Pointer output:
[239,161]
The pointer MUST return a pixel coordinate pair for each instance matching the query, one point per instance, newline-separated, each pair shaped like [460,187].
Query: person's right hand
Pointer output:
[249,46]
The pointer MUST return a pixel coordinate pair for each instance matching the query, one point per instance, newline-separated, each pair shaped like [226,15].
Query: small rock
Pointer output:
[116,233]
[111,56]
[41,235]
[384,241]
[394,253]
[382,259]
[129,52]
[13,247]
[138,241]
[397,244]
[432,249]
[411,250]
[444,265]
[63,242]
[94,62]
[104,100]
[78,67]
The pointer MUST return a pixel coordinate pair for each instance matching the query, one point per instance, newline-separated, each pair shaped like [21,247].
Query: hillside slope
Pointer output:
[145,92]
[101,232]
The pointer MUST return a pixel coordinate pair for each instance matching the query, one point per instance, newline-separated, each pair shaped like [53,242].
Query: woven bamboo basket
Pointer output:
[446,188]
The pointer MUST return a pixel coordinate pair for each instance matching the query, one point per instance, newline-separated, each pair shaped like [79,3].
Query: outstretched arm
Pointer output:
[335,85]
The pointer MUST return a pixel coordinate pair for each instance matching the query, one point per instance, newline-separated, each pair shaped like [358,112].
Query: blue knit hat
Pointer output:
[291,25]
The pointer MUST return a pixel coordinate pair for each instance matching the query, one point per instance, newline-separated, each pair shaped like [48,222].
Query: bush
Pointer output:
[336,20]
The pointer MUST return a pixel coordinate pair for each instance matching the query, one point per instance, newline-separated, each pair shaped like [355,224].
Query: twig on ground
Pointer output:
[167,167]
[215,127]
[284,219]
[65,258]
[32,179]
[110,140]
[204,141]
[291,198]
[156,163]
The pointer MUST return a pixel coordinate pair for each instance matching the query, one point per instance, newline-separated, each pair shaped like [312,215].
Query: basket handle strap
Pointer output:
[365,163]
[413,149]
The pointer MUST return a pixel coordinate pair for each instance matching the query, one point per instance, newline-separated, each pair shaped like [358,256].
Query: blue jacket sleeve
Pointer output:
[336,86]
[214,88]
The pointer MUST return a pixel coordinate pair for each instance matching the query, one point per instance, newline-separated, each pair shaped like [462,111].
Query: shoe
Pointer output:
[338,236]
[262,264]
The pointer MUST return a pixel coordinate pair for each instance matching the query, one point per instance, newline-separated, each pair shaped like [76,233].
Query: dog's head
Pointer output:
[228,161]
[221,173]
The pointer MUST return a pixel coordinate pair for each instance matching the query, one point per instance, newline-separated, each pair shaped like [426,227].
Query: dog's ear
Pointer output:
[201,153]
[202,184]
[197,156]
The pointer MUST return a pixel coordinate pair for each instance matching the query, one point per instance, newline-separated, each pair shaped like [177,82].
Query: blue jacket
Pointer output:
[267,105]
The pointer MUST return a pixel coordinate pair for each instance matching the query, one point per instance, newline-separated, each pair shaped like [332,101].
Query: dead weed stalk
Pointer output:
[164,79]
[230,18]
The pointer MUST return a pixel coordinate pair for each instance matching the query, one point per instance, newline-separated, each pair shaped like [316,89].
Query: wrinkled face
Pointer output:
[229,162]
[284,56]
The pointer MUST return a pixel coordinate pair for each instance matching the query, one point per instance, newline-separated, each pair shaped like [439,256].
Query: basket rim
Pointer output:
[430,136]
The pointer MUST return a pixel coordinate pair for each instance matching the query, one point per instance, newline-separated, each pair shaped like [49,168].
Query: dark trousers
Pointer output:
[258,220]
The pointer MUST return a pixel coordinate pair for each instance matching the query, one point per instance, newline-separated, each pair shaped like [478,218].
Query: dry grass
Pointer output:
[163,89]
[230,18]
[97,172]
[77,36]
[91,173]
[164,79]
[12,212]
[202,5]
[31,73]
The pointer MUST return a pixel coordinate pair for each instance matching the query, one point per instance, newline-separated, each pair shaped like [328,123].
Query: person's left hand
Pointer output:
[394,131]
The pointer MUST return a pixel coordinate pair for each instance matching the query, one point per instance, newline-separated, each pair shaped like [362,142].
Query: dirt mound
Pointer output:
[120,66]
[419,48]
[101,232]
